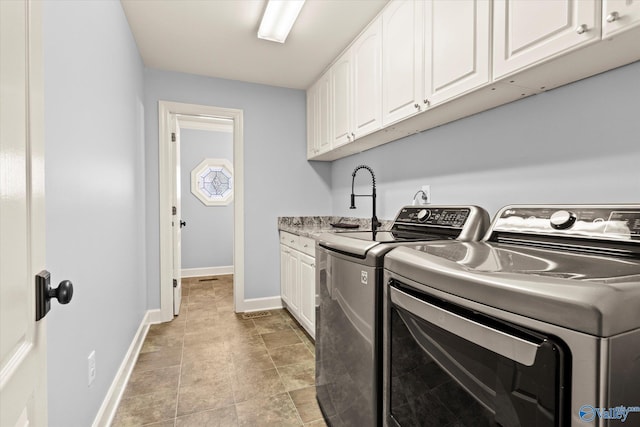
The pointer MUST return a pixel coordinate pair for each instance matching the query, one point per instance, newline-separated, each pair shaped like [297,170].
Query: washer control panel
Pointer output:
[561,220]
[618,222]
[433,216]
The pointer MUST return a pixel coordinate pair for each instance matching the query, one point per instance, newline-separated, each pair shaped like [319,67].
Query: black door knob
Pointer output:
[44,292]
[63,293]
[182,224]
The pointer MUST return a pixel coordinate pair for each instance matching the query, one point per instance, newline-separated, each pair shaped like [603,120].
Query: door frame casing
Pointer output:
[165,110]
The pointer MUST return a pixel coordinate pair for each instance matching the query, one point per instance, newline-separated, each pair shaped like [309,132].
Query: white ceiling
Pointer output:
[217,38]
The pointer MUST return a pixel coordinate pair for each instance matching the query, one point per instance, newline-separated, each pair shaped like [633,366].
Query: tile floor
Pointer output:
[211,367]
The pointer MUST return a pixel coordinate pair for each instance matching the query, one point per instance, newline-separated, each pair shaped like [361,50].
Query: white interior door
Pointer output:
[23,391]
[177,218]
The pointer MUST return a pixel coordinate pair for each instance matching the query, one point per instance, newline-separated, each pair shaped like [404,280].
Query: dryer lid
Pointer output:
[595,294]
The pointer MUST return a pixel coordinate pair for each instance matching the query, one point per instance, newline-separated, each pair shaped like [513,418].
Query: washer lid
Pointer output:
[413,224]
[595,294]
[358,243]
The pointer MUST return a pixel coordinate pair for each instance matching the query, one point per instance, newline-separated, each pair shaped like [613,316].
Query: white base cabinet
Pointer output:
[288,275]
[307,280]
[298,278]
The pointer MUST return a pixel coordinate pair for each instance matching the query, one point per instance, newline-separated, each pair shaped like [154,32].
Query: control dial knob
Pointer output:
[561,220]
[424,215]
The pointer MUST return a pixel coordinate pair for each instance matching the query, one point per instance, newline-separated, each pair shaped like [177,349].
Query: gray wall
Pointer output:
[94,140]
[207,240]
[278,180]
[575,144]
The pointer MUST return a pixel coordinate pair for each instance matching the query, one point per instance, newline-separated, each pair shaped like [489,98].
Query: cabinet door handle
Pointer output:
[427,102]
[353,135]
[582,29]
[417,106]
[313,265]
[613,16]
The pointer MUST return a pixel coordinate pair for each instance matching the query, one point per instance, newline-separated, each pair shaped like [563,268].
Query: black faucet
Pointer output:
[374,220]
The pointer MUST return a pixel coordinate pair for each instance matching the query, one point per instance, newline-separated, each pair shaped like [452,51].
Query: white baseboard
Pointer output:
[154,316]
[258,304]
[207,271]
[109,406]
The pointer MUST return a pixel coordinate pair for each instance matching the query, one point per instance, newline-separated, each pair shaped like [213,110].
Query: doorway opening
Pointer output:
[172,118]
[206,175]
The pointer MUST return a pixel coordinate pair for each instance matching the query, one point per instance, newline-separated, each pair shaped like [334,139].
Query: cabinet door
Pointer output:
[401,69]
[294,282]
[312,121]
[619,16]
[285,277]
[324,114]
[341,97]
[366,54]
[529,32]
[456,48]
[308,292]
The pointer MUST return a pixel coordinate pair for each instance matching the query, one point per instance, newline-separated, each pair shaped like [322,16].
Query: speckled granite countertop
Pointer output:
[313,226]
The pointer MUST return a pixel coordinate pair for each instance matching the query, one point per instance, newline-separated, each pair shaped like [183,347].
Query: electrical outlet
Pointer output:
[91,367]
[427,191]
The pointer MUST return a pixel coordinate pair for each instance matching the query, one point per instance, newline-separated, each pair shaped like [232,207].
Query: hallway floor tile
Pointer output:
[212,367]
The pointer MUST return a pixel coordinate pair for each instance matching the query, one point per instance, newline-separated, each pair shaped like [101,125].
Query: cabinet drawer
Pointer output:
[289,239]
[307,245]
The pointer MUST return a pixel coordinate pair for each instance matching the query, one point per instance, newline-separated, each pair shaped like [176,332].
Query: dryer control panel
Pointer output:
[615,222]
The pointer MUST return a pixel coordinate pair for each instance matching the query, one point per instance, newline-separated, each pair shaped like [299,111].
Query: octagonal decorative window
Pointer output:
[212,182]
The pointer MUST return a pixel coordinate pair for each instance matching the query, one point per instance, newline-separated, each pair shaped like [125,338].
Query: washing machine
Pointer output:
[349,305]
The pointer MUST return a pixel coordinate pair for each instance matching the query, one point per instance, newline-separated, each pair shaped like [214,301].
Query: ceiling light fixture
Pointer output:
[278,19]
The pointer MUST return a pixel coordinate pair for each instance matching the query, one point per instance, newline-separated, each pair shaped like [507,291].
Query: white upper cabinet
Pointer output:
[341,92]
[619,16]
[312,122]
[456,48]
[319,117]
[366,59]
[401,59]
[432,51]
[529,32]
[323,115]
[424,63]
[356,88]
